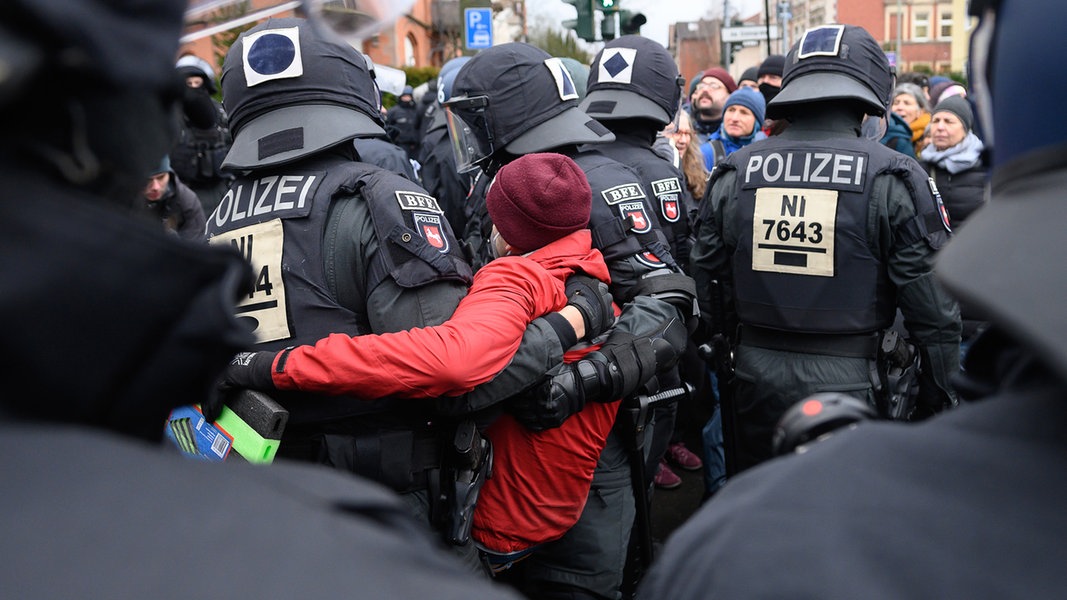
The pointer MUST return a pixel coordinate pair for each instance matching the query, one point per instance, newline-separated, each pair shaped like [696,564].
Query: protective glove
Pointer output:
[550,404]
[618,369]
[593,299]
[247,370]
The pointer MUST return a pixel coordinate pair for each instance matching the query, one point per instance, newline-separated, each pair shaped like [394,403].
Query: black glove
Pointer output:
[593,299]
[247,370]
[632,361]
[549,405]
[618,369]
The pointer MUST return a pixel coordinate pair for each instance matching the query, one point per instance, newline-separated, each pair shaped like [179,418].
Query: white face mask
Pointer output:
[494,243]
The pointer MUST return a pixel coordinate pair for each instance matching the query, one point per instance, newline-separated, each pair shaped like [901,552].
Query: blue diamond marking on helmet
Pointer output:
[821,41]
[564,84]
[616,65]
[272,54]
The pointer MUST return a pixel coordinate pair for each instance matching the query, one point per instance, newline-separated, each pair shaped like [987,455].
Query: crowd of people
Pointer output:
[499,317]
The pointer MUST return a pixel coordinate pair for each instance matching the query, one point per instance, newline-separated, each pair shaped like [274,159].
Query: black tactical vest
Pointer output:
[663,184]
[623,218]
[277,219]
[803,260]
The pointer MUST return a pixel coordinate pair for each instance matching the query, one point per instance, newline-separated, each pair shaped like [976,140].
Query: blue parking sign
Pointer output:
[479,28]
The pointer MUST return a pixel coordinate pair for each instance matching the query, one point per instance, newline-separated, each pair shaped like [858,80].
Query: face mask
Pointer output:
[494,240]
[769,91]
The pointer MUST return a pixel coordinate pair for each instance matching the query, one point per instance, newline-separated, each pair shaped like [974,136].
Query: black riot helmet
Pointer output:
[292,89]
[1006,265]
[834,62]
[517,99]
[633,77]
[816,417]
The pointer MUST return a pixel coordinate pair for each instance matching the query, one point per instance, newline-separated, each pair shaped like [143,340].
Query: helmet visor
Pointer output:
[470,130]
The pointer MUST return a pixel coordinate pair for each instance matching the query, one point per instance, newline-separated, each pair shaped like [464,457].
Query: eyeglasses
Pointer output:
[710,85]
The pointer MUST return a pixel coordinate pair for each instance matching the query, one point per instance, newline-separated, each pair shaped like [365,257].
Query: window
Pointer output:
[945,24]
[409,51]
[920,25]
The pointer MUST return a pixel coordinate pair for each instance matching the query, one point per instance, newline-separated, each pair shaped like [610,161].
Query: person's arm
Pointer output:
[470,348]
[709,259]
[931,316]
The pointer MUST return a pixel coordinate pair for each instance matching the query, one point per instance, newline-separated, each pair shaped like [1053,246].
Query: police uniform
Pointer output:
[782,530]
[819,236]
[338,246]
[203,141]
[525,101]
[439,174]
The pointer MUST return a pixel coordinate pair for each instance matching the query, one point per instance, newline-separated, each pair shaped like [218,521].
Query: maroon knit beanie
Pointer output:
[721,74]
[537,199]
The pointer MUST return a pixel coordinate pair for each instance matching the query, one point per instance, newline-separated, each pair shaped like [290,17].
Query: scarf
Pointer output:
[955,159]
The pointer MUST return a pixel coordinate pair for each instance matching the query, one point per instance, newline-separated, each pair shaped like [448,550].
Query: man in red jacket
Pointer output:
[539,204]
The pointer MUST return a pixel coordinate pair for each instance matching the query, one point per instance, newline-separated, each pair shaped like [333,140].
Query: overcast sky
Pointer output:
[660,13]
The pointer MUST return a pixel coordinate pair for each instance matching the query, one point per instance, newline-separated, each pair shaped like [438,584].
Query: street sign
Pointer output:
[748,33]
[478,24]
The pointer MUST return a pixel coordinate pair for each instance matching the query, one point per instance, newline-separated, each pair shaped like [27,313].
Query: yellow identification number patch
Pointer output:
[261,245]
[793,231]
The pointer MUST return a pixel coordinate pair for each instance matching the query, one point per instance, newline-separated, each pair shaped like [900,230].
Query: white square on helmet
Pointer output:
[564,84]
[272,54]
[821,41]
[617,65]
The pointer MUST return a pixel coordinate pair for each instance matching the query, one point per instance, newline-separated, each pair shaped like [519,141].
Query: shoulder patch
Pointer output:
[429,227]
[417,201]
[622,193]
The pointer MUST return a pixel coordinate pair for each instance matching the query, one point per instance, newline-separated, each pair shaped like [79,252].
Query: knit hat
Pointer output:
[772,65]
[537,199]
[720,74]
[944,90]
[750,74]
[163,167]
[959,106]
[750,99]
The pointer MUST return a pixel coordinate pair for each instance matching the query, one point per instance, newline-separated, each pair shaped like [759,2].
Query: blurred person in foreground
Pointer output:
[151,318]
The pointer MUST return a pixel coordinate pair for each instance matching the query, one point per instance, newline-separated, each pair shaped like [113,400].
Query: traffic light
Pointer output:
[583,25]
[607,6]
[630,22]
[607,27]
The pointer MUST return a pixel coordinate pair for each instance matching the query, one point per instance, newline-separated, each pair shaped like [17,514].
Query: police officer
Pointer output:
[203,134]
[813,239]
[439,174]
[634,89]
[402,122]
[514,99]
[340,246]
[930,488]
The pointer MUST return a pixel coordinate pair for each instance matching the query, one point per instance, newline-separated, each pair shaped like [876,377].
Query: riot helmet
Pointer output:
[834,62]
[815,418]
[633,77]
[447,77]
[1006,264]
[292,89]
[191,65]
[579,75]
[515,98]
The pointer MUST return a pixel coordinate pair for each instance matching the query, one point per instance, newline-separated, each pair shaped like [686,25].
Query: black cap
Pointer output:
[633,76]
[533,101]
[835,62]
[292,89]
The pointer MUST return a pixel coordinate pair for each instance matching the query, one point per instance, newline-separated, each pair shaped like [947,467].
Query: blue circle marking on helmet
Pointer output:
[272,54]
[821,41]
[617,65]
[564,84]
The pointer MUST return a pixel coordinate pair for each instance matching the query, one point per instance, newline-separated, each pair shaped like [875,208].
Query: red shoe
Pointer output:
[681,456]
[665,478]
